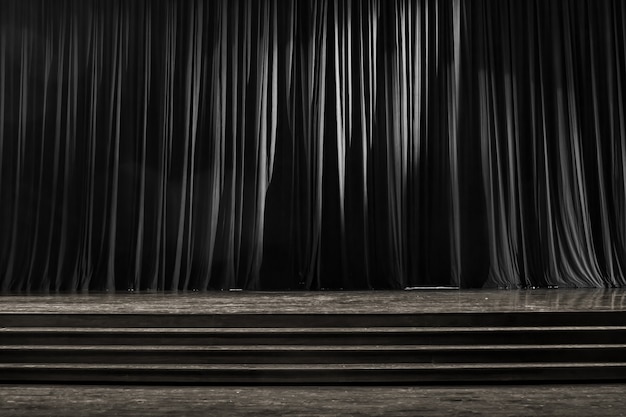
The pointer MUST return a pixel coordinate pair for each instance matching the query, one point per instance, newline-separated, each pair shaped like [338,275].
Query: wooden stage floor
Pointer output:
[605,400]
[359,302]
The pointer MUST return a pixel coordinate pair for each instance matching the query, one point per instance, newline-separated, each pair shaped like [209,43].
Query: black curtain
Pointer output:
[311,144]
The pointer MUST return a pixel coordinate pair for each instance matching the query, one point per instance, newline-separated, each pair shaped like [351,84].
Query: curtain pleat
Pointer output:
[311,144]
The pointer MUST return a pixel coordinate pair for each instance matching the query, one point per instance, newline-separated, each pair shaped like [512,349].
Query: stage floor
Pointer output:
[227,302]
[567,400]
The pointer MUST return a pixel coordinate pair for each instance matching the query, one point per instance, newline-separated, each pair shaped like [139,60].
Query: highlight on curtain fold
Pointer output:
[310,144]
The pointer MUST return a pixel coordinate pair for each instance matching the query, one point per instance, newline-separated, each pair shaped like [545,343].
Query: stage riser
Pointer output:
[492,337]
[313,348]
[312,356]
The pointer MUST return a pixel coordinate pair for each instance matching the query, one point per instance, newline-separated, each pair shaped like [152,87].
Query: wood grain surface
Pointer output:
[229,302]
[523,400]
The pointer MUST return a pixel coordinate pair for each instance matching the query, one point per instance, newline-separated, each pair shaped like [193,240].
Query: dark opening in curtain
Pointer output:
[285,144]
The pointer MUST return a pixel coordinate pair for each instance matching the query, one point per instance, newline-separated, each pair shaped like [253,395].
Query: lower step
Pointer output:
[311,374]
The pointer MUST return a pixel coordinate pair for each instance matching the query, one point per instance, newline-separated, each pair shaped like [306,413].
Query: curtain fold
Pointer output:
[311,144]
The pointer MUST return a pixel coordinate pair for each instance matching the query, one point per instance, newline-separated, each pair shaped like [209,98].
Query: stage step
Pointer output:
[544,335]
[331,374]
[366,320]
[313,348]
[171,355]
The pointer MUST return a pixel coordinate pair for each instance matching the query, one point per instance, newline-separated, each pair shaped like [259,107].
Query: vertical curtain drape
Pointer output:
[311,144]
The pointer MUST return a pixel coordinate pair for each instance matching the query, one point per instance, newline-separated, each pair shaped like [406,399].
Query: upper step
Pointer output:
[472,319]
